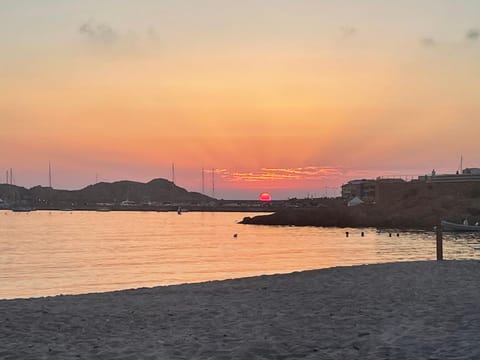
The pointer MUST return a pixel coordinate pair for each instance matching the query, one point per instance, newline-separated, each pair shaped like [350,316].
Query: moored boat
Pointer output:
[450,226]
[22,209]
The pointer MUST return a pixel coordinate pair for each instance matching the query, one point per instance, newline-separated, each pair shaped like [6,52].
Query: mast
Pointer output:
[49,174]
[213,182]
[173,182]
[461,164]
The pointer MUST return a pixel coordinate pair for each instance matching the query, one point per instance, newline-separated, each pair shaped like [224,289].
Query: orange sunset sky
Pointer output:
[292,97]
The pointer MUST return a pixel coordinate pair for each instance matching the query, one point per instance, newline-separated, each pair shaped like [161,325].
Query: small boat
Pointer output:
[450,226]
[22,209]
[179,211]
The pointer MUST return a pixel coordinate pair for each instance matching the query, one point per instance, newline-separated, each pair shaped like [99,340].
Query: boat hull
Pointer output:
[449,226]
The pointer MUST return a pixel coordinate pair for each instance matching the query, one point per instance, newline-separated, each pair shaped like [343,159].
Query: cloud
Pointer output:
[348,31]
[473,34]
[281,174]
[428,42]
[100,33]
[152,34]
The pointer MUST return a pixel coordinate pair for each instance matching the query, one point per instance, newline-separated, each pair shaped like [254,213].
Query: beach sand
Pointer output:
[418,310]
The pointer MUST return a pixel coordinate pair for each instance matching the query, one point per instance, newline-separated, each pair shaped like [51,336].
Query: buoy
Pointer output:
[389,234]
[235,235]
[346,234]
[362,234]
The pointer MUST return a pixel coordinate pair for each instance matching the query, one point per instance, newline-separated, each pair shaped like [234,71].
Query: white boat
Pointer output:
[450,226]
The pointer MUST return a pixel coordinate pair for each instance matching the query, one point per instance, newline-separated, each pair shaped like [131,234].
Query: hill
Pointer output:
[157,192]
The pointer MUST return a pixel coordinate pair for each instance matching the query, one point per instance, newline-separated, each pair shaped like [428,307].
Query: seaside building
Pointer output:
[467,175]
[364,190]
[385,190]
[369,190]
[471,171]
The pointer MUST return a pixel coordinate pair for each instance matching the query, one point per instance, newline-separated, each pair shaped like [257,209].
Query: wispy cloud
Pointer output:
[281,174]
[428,42]
[348,31]
[101,33]
[299,177]
[152,34]
[473,34]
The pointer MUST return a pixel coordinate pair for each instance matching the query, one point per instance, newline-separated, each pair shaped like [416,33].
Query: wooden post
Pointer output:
[439,242]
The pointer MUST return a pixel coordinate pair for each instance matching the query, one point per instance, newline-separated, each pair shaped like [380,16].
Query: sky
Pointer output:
[294,97]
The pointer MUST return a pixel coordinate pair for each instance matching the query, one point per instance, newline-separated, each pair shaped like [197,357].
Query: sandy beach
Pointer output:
[419,310]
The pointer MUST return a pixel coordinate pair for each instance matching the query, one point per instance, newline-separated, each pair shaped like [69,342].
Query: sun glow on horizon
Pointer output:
[265,197]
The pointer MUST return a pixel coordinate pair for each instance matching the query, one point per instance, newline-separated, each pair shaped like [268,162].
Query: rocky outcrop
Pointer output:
[409,210]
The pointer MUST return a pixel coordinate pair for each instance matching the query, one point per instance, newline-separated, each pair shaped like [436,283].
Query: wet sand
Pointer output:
[418,310]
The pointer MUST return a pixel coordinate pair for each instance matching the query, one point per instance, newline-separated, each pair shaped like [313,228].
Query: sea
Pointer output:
[46,253]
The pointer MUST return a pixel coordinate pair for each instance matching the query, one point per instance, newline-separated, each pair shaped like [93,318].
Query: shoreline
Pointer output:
[423,309]
[206,282]
[147,209]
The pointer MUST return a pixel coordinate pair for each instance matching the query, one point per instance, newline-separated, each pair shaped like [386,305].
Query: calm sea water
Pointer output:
[49,253]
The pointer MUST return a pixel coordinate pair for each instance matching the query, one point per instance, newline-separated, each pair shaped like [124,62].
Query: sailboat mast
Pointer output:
[49,174]
[213,182]
[173,182]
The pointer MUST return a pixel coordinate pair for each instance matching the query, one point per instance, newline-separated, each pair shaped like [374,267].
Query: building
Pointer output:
[369,190]
[467,175]
[382,190]
[471,171]
[364,189]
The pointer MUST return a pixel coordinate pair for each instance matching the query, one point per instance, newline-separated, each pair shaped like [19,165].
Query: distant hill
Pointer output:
[155,192]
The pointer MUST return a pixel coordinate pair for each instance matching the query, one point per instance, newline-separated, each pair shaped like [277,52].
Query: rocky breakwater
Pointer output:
[412,211]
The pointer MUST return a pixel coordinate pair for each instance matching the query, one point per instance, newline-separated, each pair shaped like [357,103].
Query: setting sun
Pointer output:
[265,197]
